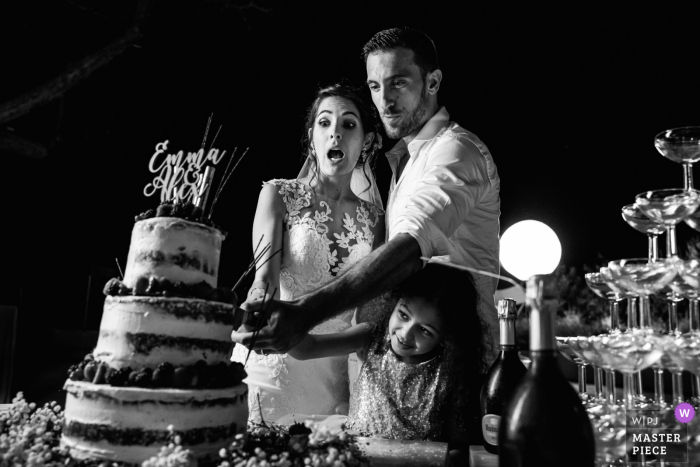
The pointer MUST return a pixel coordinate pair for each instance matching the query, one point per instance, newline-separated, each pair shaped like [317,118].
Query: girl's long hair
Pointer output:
[454,295]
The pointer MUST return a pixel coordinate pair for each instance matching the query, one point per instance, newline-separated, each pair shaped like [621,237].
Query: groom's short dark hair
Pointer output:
[424,53]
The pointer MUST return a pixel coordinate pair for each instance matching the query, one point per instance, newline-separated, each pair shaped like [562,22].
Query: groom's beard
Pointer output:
[411,122]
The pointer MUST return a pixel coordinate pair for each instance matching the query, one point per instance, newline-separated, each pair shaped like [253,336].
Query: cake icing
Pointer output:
[161,365]
[147,331]
[131,424]
[174,249]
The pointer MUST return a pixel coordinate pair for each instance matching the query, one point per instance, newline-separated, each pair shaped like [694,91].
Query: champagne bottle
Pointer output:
[544,423]
[503,376]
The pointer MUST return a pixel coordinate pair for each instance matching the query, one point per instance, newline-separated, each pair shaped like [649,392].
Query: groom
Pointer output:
[443,201]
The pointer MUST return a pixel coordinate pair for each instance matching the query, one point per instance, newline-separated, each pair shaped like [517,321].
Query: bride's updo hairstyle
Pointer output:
[367,116]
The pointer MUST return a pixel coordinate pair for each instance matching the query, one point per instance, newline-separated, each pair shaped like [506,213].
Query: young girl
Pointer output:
[420,365]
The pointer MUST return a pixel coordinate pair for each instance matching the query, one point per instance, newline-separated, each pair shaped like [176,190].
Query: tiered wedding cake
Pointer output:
[161,366]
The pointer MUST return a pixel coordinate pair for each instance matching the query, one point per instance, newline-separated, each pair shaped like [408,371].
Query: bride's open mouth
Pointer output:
[335,155]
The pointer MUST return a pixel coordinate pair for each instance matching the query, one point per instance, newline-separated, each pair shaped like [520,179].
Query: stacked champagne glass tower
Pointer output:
[639,346]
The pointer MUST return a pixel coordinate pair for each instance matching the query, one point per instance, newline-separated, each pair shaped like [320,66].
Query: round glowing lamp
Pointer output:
[529,248]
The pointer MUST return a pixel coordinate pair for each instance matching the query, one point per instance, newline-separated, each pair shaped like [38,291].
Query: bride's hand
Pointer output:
[246,316]
[255,295]
[285,326]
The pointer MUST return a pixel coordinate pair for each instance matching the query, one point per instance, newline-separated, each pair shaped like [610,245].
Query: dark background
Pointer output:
[567,98]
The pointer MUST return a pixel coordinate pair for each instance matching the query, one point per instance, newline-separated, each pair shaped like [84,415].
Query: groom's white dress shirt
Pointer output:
[447,198]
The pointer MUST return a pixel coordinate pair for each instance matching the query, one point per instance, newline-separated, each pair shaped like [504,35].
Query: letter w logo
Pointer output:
[685,413]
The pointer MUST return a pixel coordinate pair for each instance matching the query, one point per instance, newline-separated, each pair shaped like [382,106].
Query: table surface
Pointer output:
[478,457]
[404,453]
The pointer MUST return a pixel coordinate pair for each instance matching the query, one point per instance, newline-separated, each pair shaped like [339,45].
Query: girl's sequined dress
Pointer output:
[397,400]
[280,385]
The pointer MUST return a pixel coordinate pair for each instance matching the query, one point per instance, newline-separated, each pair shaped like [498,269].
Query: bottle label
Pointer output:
[489,428]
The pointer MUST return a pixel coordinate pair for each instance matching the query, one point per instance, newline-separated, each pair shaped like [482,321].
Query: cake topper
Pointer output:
[179,175]
[188,179]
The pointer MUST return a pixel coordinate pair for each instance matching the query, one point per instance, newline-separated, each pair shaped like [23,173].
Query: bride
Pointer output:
[325,220]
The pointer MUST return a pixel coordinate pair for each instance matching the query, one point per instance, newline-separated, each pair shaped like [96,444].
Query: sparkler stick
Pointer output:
[262,420]
[225,180]
[257,246]
[215,136]
[269,257]
[121,273]
[255,265]
[252,265]
[203,192]
[483,273]
[233,155]
[206,131]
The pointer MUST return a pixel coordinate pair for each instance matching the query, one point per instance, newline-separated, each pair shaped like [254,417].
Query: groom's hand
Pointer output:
[284,328]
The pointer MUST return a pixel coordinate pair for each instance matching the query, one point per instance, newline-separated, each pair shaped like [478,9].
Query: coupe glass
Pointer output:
[610,431]
[644,278]
[681,145]
[597,283]
[640,277]
[629,353]
[668,345]
[631,298]
[631,316]
[684,351]
[687,285]
[568,346]
[591,354]
[668,207]
[640,222]
[693,220]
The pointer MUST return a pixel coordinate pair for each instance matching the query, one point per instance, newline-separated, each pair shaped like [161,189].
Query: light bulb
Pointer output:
[528,248]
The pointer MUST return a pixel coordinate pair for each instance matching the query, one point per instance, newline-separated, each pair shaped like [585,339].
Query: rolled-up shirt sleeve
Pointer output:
[452,182]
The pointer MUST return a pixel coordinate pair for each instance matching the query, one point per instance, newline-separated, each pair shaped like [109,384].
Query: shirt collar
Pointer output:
[431,128]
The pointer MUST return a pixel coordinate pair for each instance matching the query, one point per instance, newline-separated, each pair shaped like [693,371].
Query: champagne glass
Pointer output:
[629,353]
[676,370]
[568,346]
[595,358]
[597,283]
[688,286]
[610,431]
[684,351]
[640,222]
[631,298]
[681,145]
[644,278]
[668,207]
[693,220]
[631,312]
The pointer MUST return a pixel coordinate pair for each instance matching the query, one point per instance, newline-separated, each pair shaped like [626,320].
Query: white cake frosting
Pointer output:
[105,422]
[130,424]
[174,249]
[186,330]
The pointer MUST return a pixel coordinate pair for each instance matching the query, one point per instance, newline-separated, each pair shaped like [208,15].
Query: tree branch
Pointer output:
[58,86]
[253,6]
[11,142]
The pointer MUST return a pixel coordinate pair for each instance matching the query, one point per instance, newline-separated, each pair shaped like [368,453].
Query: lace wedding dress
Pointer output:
[280,385]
